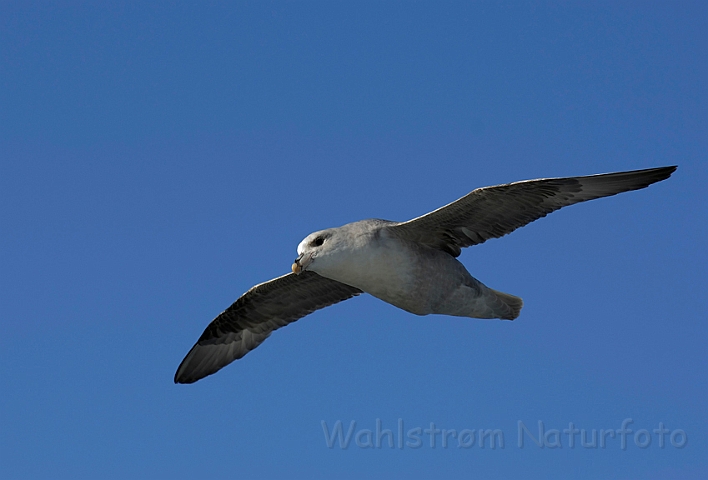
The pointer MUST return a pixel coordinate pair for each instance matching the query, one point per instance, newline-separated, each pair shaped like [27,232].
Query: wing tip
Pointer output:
[650,176]
[662,173]
[181,375]
[193,369]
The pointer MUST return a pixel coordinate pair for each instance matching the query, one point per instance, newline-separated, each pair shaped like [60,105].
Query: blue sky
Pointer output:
[159,159]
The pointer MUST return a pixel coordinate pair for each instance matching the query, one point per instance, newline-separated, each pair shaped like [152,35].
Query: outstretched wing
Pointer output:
[492,212]
[252,318]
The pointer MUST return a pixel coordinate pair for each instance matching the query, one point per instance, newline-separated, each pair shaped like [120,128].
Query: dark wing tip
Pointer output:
[209,356]
[613,183]
[183,380]
[668,171]
[181,375]
[660,173]
[196,366]
[186,373]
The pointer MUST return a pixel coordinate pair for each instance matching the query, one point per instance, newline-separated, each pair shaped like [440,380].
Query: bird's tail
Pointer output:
[504,305]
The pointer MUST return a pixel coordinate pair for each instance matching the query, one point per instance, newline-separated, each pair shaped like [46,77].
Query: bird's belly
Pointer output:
[398,291]
[387,279]
[415,281]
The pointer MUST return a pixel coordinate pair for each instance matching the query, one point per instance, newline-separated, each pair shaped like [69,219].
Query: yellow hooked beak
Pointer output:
[301,262]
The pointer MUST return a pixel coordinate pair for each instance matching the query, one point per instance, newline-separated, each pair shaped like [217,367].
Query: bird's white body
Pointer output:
[416,278]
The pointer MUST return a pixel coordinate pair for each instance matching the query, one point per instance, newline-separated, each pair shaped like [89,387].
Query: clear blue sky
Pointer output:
[159,159]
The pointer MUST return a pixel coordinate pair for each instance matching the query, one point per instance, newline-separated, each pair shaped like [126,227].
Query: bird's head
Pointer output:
[318,244]
[336,252]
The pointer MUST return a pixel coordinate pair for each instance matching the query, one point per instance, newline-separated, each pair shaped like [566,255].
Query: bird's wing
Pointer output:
[252,318]
[492,212]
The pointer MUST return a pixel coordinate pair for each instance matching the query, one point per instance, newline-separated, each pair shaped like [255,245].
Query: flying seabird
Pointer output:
[411,265]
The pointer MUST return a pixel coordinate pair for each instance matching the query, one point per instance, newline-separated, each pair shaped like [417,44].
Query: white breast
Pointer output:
[382,266]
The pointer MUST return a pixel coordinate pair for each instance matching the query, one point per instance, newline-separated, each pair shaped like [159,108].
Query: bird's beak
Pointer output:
[301,262]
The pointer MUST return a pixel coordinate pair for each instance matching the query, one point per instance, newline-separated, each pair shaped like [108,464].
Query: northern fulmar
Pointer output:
[411,265]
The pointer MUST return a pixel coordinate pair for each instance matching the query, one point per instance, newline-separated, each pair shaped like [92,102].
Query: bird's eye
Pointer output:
[318,241]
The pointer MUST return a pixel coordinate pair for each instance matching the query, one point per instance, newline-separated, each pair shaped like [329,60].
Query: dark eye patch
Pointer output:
[318,241]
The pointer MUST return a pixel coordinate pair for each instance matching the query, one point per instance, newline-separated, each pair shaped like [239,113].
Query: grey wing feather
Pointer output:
[251,319]
[492,212]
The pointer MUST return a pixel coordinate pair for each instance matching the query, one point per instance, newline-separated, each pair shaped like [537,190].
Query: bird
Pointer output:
[412,265]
